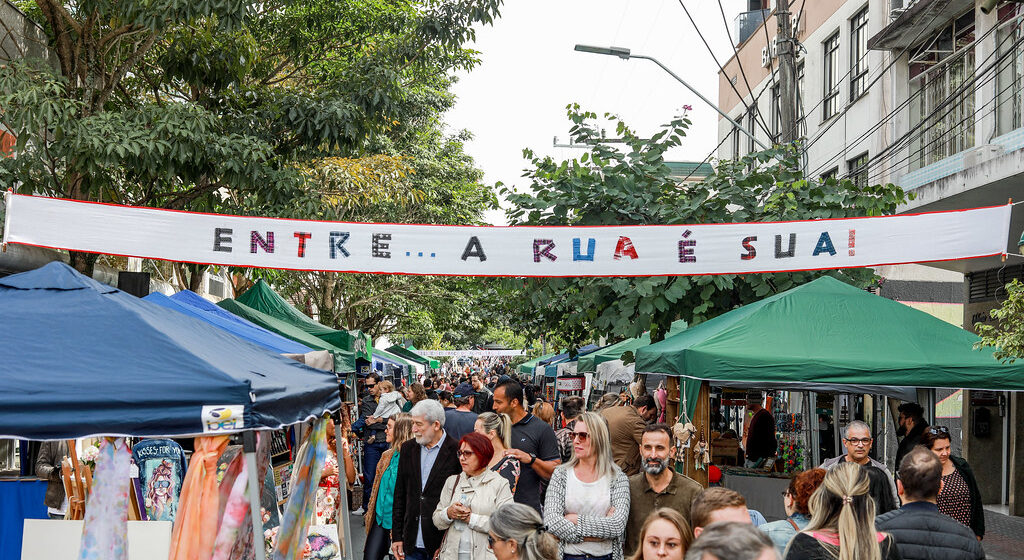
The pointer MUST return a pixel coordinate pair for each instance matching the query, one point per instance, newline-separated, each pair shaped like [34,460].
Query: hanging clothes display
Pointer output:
[298,512]
[105,534]
[234,506]
[195,527]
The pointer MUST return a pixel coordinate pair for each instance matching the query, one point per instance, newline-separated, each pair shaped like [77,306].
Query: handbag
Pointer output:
[444,539]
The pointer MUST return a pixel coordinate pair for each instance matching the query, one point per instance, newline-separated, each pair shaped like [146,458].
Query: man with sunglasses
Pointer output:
[911,425]
[857,440]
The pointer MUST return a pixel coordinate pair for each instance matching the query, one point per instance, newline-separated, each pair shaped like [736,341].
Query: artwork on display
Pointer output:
[162,465]
[549,251]
[282,481]
[323,543]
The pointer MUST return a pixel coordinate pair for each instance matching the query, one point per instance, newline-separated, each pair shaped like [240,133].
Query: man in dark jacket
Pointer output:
[374,436]
[919,530]
[912,425]
[51,453]
[424,464]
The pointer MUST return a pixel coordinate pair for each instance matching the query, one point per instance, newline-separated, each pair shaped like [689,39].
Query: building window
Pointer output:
[736,144]
[1008,76]
[751,128]
[942,93]
[858,54]
[830,99]
[830,174]
[857,170]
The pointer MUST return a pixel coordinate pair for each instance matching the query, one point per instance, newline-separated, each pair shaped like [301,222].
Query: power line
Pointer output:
[722,70]
[736,56]
[707,158]
[952,99]
[820,133]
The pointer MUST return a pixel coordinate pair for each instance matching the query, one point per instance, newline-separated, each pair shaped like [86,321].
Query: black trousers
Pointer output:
[378,543]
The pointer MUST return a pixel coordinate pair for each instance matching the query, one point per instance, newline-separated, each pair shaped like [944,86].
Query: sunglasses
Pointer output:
[581,435]
[466,454]
[162,484]
[936,430]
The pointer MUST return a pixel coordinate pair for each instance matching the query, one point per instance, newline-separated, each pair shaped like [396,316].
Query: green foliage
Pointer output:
[629,183]
[1007,336]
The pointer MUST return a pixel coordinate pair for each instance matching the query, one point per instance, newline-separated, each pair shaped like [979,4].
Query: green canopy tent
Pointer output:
[530,367]
[262,298]
[344,361]
[589,362]
[411,355]
[826,336]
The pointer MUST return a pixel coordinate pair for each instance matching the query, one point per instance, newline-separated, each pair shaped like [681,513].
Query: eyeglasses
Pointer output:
[936,430]
[859,441]
[466,454]
[582,435]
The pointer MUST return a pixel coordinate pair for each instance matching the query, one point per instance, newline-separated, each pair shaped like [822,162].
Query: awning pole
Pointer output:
[249,448]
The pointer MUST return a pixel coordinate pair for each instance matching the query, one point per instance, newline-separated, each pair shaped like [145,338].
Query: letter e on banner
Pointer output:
[686,248]
[380,249]
[222,239]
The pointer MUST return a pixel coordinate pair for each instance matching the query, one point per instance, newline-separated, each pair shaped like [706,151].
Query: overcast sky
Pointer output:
[529,72]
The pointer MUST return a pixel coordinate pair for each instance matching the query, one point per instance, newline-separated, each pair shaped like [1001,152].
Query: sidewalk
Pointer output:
[1004,536]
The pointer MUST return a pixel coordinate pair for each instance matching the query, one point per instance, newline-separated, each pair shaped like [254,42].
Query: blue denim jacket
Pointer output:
[781,532]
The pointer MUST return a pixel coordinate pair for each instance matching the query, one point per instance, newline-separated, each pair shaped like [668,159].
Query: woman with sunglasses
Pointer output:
[959,497]
[517,533]
[467,501]
[587,503]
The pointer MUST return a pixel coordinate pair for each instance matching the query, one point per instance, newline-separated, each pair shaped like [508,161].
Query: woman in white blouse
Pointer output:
[588,498]
[467,501]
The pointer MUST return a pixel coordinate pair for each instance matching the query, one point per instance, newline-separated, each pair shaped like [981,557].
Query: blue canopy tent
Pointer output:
[242,329]
[92,360]
[112,364]
[551,364]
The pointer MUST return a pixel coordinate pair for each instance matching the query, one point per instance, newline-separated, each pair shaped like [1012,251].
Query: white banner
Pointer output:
[468,353]
[657,250]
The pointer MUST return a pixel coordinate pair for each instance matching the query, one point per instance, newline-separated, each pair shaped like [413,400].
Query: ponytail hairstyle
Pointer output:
[522,524]
[500,424]
[843,504]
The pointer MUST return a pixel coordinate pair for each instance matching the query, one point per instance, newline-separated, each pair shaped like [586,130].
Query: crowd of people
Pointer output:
[473,465]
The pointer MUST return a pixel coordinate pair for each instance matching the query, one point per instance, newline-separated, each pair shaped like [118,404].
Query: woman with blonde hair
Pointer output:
[587,501]
[665,535]
[842,523]
[379,510]
[498,429]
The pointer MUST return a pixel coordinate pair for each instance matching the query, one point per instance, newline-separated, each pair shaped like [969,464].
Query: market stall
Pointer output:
[264,299]
[114,365]
[609,369]
[344,361]
[822,337]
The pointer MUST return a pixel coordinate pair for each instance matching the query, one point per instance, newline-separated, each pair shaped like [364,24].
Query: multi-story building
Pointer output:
[927,95]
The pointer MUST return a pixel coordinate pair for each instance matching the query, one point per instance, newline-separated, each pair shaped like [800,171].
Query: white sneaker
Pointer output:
[359,511]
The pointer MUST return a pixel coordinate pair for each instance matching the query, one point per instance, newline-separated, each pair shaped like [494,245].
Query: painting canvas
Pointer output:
[162,466]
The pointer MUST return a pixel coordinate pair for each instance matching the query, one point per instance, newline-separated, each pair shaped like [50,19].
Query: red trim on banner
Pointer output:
[519,275]
[516,226]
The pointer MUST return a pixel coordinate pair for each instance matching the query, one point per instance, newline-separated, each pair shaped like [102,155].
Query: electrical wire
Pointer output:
[722,70]
[708,158]
[743,73]
[970,83]
[821,132]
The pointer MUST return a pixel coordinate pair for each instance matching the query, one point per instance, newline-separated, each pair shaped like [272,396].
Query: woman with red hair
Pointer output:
[467,501]
[795,499]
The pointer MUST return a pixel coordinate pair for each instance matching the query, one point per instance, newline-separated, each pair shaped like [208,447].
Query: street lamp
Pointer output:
[625,54]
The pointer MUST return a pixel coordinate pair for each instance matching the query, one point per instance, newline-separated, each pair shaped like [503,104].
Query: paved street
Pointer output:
[1004,536]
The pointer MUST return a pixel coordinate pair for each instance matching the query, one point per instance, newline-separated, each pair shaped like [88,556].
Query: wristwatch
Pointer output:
[533,458]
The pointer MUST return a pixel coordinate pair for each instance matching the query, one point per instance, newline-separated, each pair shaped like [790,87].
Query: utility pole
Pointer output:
[785,43]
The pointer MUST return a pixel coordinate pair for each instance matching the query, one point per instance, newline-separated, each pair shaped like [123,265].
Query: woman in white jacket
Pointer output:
[467,501]
[389,403]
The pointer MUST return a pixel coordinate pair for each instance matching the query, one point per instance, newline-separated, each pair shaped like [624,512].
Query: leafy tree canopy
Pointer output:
[629,183]
[1007,335]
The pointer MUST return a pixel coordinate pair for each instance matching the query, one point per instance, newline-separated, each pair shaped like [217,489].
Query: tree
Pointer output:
[1007,335]
[225,106]
[629,183]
